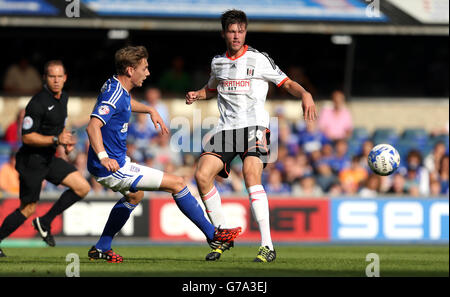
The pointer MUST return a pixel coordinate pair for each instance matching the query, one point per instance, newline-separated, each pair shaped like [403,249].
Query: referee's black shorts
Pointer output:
[249,141]
[34,168]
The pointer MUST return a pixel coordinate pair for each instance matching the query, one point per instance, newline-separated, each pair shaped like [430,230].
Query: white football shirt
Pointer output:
[242,85]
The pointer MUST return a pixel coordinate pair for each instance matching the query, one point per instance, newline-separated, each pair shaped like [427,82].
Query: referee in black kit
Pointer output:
[43,130]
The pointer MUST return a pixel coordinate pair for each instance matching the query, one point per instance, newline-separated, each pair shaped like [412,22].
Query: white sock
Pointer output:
[214,210]
[260,209]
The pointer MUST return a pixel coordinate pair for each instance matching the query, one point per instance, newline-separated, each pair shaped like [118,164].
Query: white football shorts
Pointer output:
[131,178]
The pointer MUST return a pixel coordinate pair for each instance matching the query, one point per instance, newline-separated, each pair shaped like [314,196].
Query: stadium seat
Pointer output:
[385,135]
[354,147]
[360,133]
[417,134]
[404,146]
[440,138]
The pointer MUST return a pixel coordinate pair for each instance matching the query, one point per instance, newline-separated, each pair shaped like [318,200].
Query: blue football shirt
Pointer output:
[113,108]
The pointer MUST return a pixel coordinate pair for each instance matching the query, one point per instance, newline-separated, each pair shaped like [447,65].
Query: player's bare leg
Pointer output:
[172,183]
[252,171]
[208,168]
[78,189]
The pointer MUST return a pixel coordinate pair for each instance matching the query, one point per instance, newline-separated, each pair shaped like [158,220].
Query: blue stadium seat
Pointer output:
[415,133]
[385,135]
[404,146]
[360,133]
[439,138]
[354,147]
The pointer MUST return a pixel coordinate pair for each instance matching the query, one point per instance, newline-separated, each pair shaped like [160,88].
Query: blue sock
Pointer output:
[117,218]
[190,207]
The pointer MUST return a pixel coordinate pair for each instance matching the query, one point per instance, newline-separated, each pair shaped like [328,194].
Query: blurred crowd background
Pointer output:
[398,60]
[327,157]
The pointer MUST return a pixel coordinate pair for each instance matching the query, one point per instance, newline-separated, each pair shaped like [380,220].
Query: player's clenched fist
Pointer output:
[191,97]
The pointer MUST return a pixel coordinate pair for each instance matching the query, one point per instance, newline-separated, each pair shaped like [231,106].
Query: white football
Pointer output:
[384,159]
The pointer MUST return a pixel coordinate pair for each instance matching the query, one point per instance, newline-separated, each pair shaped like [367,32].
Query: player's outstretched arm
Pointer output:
[137,106]
[96,140]
[296,90]
[201,94]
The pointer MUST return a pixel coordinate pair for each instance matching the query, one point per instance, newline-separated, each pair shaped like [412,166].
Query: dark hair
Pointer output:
[53,63]
[129,56]
[233,16]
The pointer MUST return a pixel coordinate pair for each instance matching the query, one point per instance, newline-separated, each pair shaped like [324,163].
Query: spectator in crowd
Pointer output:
[444,175]
[140,132]
[325,177]
[327,154]
[80,163]
[292,173]
[417,175]
[435,188]
[398,187]
[335,190]
[312,139]
[371,187]
[152,97]
[175,81]
[275,183]
[340,160]
[301,160]
[307,187]
[336,121]
[315,157]
[287,139]
[162,153]
[22,79]
[135,154]
[9,177]
[354,175]
[366,147]
[431,161]
[13,133]
[413,190]
[237,179]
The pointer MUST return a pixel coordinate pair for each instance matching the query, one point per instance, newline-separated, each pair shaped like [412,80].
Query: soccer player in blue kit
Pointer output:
[109,164]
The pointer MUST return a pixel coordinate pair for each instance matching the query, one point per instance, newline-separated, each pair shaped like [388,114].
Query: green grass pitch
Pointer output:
[292,261]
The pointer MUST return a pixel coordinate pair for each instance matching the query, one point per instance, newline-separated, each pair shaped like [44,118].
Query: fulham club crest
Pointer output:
[250,71]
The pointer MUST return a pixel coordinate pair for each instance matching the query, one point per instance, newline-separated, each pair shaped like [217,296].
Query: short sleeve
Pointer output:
[212,82]
[34,112]
[271,72]
[103,111]
[106,102]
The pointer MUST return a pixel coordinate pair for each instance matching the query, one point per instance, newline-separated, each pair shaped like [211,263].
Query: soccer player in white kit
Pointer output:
[239,78]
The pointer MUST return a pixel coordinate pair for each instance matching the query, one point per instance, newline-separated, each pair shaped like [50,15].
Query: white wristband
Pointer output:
[102,155]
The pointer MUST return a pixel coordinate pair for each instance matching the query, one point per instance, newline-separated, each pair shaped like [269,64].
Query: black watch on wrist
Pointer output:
[55,141]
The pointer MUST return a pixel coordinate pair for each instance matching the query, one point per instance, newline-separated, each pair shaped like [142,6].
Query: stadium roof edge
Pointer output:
[213,25]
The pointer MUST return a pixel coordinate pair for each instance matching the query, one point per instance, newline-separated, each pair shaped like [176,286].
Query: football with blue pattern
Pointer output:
[384,159]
